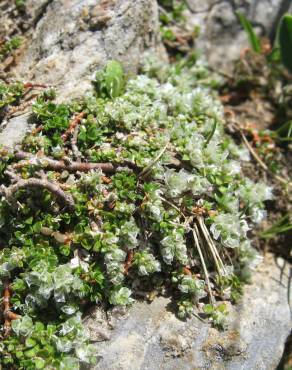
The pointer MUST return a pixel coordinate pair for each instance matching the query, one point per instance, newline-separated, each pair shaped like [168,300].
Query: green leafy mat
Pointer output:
[158,204]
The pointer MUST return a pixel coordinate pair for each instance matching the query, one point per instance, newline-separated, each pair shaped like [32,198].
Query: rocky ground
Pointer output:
[151,337]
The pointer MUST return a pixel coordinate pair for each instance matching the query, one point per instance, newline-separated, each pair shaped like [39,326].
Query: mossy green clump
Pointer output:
[10,94]
[175,199]
[9,46]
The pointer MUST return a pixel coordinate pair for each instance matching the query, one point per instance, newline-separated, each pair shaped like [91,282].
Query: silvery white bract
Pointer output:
[15,259]
[146,263]
[69,362]
[129,233]
[254,193]
[59,283]
[174,247]
[190,284]
[23,326]
[230,228]
[121,297]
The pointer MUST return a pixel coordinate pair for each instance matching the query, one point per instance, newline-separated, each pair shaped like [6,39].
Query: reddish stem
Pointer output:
[128,262]
[76,120]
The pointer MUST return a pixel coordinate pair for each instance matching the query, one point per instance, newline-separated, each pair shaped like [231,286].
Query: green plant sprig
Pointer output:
[131,229]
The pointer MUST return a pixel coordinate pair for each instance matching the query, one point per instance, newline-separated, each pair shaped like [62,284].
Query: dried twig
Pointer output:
[260,162]
[63,198]
[173,206]
[14,177]
[52,164]
[7,313]
[146,170]
[36,130]
[76,120]
[19,110]
[128,262]
[29,85]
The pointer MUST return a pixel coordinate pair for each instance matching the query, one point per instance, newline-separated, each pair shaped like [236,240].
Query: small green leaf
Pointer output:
[212,132]
[39,326]
[208,309]
[253,38]
[31,352]
[19,354]
[29,342]
[65,250]
[39,363]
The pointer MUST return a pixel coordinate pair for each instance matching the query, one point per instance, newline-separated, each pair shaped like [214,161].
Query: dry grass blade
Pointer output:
[260,162]
[217,259]
[148,168]
[195,232]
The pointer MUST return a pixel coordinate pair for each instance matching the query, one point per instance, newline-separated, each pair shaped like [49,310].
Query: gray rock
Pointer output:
[14,131]
[222,37]
[75,38]
[72,39]
[13,21]
[150,337]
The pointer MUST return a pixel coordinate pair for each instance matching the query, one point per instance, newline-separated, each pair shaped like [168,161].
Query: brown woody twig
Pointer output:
[128,262]
[7,313]
[63,198]
[76,120]
[52,164]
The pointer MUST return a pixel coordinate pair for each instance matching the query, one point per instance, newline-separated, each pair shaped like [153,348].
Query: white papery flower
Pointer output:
[239,151]
[173,246]
[232,167]
[230,228]
[258,215]
[177,182]
[255,193]
[85,352]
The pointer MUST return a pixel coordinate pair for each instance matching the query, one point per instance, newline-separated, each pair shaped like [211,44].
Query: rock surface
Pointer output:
[14,131]
[150,337]
[75,38]
[221,36]
[72,39]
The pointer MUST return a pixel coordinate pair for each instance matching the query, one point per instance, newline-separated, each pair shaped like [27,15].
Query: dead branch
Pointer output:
[36,130]
[29,85]
[195,232]
[75,122]
[64,199]
[128,262]
[52,164]
[14,177]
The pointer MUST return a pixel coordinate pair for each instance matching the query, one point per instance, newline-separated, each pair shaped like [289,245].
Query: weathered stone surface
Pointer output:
[14,131]
[151,337]
[221,37]
[74,38]
[14,20]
